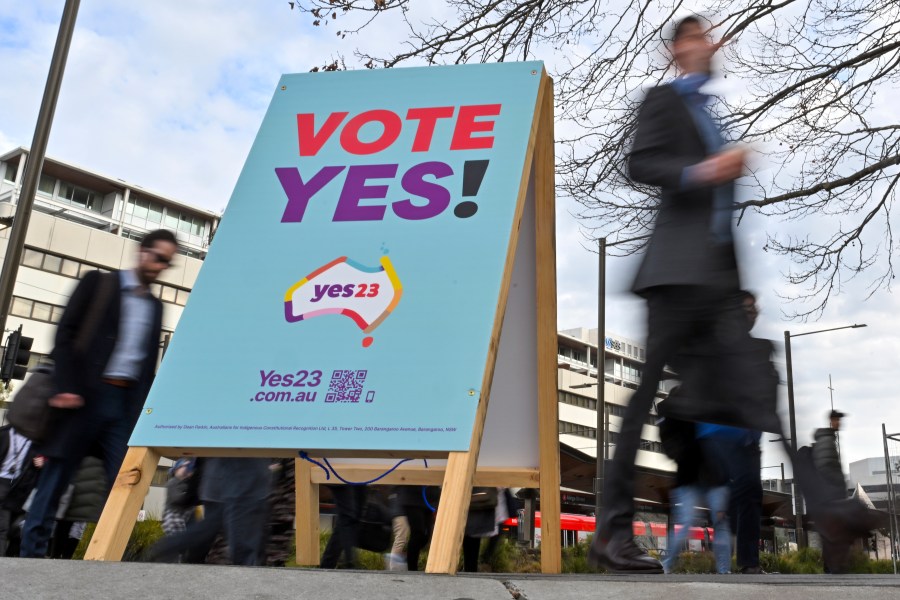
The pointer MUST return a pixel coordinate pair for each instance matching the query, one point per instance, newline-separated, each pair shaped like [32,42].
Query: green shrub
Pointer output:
[861,563]
[145,534]
[574,558]
[510,557]
[695,562]
[768,562]
[804,561]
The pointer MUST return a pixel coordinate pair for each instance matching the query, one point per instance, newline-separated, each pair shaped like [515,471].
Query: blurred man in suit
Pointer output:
[689,274]
[107,347]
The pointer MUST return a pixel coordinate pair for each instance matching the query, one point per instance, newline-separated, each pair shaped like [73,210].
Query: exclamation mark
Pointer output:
[473,175]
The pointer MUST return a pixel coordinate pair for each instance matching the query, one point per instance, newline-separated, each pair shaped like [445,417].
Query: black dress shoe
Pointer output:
[752,571]
[622,556]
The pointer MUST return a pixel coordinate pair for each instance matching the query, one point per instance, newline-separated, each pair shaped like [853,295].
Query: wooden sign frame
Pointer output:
[460,473]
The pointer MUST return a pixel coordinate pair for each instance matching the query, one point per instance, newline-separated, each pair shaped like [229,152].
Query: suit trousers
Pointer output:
[421,522]
[676,315]
[106,430]
[349,501]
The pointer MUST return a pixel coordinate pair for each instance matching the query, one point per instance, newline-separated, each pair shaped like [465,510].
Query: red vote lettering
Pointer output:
[310,141]
[350,134]
[427,118]
[466,125]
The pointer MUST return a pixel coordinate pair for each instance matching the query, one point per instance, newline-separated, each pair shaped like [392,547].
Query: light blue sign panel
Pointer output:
[348,299]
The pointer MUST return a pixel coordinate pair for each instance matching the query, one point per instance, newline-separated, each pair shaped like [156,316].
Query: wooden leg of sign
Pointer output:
[548,406]
[122,506]
[443,556]
[306,519]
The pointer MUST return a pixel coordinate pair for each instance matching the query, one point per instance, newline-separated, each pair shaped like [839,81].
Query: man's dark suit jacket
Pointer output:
[81,373]
[681,250]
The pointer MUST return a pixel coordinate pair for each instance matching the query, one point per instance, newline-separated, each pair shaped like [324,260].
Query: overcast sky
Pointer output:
[169,95]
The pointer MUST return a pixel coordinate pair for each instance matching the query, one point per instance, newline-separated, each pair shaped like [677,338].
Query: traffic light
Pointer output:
[15,356]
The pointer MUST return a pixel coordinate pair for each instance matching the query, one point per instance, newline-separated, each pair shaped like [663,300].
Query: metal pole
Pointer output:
[890,486]
[798,498]
[35,159]
[601,381]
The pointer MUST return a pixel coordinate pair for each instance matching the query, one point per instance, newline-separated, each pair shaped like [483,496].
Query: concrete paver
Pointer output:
[29,579]
[699,587]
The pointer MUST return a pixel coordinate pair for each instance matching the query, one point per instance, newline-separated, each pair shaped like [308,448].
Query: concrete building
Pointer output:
[84,221]
[871,474]
[577,364]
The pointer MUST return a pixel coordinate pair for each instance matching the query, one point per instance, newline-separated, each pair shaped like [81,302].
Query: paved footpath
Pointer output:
[75,580]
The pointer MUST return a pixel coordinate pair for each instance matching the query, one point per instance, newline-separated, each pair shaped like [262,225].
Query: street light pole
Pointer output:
[798,497]
[34,161]
[891,507]
[601,381]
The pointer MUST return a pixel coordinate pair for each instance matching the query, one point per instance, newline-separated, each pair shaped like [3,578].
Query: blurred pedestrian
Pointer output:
[19,469]
[738,453]
[348,502]
[488,508]
[826,456]
[699,482]
[396,560]
[234,493]
[282,510]
[107,347]
[182,496]
[689,274]
[82,503]
[419,504]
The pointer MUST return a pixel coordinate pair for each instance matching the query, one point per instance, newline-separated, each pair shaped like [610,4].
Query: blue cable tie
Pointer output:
[382,476]
[306,457]
[427,503]
[330,470]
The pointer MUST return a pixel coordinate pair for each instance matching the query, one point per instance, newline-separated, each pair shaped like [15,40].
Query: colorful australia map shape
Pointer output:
[345,287]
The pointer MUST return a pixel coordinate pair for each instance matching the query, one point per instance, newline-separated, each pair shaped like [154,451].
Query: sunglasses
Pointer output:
[159,258]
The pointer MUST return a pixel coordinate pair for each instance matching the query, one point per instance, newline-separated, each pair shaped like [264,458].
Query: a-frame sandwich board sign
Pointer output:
[386,227]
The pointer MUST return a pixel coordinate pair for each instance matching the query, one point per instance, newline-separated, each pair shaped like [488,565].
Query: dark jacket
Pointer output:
[89,492]
[827,460]
[697,464]
[227,479]
[681,250]
[81,373]
[27,478]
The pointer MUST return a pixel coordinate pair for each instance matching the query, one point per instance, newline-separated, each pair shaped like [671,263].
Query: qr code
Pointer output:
[345,386]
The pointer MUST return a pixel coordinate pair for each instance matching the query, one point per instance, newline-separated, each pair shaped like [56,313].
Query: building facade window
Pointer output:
[36,310]
[578,400]
[47,185]
[53,263]
[67,193]
[651,446]
[143,213]
[75,269]
[579,430]
[612,437]
[10,173]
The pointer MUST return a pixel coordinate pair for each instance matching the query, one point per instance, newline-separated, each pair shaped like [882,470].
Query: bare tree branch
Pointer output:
[813,85]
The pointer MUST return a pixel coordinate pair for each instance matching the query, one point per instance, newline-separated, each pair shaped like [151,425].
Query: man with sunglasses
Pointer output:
[107,346]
